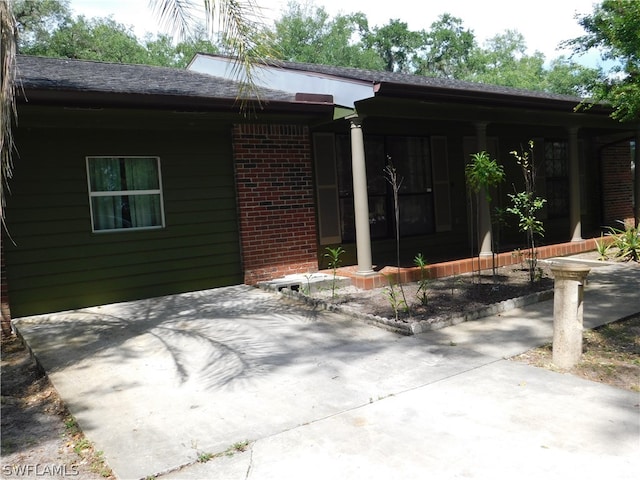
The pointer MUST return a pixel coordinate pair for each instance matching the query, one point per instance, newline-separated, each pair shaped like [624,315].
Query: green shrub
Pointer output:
[627,242]
[421,262]
[396,300]
[602,247]
[334,254]
[526,205]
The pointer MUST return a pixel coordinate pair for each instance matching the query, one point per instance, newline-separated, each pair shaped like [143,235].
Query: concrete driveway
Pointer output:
[158,382]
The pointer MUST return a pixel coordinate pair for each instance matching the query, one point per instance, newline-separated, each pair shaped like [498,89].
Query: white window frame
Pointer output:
[116,193]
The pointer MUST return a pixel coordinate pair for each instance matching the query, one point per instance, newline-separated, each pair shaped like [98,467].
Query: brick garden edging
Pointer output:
[465,265]
[440,270]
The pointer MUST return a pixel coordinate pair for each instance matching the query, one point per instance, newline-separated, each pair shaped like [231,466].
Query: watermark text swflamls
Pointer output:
[40,470]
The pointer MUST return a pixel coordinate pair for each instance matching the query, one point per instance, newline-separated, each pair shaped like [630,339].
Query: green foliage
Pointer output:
[204,457]
[503,61]
[483,173]
[161,51]
[396,45]
[186,49]
[602,248]
[71,425]
[240,446]
[81,445]
[309,35]
[91,39]
[395,298]
[305,33]
[423,284]
[35,20]
[56,34]
[448,49]
[237,26]
[526,205]
[334,254]
[614,29]
[627,242]
[566,77]
[525,160]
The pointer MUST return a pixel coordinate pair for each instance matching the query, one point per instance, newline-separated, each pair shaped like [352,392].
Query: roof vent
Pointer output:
[314,98]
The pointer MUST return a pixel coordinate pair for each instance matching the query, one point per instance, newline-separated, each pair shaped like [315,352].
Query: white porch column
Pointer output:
[360,197]
[574,186]
[484,224]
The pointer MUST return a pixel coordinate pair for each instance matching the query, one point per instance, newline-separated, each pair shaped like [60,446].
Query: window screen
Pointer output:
[125,193]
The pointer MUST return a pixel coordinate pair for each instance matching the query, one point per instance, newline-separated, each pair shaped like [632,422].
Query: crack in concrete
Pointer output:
[250,463]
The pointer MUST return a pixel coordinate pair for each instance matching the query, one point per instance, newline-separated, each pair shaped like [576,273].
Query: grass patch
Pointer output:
[610,355]
[238,447]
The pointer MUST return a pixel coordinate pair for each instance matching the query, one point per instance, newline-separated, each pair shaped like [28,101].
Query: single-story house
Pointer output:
[133,181]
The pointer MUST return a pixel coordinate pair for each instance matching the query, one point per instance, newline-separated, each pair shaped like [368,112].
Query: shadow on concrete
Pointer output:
[197,372]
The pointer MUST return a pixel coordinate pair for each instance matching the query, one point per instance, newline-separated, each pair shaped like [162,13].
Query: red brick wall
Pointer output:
[617,184]
[274,182]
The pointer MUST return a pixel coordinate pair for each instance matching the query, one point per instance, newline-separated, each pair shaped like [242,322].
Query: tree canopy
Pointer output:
[447,49]
[47,28]
[614,29]
[306,33]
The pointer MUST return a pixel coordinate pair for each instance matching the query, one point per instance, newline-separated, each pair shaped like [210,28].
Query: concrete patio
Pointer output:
[158,382]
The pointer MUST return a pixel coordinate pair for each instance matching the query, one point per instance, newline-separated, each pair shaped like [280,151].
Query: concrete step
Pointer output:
[305,282]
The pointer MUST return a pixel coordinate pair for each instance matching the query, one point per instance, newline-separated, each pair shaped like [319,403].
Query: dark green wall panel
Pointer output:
[53,260]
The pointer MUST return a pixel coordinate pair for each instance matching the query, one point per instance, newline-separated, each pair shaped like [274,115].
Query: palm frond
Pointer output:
[178,16]
[8,114]
[237,24]
[240,24]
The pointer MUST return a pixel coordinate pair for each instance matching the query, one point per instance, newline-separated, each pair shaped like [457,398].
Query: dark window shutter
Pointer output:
[327,188]
[441,187]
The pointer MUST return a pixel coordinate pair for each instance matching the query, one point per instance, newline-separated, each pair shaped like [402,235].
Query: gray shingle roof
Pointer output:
[411,80]
[41,73]
[144,81]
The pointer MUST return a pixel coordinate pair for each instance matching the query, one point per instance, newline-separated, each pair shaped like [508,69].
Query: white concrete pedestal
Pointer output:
[568,313]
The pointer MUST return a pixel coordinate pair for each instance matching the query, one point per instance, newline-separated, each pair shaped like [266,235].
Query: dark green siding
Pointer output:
[54,262]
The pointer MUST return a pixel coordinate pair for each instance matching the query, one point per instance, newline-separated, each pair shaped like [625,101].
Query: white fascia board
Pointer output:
[345,92]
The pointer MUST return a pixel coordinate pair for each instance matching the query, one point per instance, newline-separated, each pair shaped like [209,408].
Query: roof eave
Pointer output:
[88,99]
[502,99]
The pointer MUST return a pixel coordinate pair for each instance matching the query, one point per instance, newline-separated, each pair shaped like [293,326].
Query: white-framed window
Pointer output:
[125,193]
